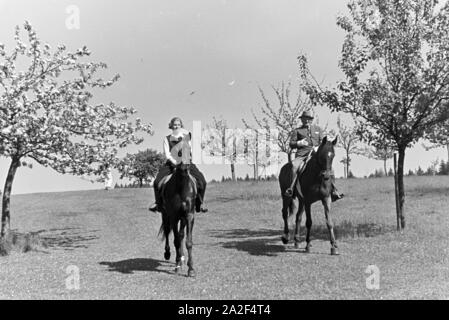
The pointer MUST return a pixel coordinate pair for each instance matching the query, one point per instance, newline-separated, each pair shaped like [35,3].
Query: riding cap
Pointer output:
[307,114]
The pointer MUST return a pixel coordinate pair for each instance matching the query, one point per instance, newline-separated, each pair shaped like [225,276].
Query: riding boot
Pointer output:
[296,172]
[199,204]
[289,191]
[156,207]
[335,195]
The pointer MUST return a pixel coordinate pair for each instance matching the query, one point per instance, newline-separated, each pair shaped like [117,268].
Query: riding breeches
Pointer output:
[297,165]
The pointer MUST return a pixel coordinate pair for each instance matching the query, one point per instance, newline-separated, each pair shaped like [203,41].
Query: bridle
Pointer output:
[326,173]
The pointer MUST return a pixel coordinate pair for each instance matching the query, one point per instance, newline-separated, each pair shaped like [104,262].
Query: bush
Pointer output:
[20,242]
[444,168]
[377,174]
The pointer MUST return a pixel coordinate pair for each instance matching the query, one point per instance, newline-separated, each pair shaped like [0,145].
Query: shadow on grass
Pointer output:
[263,242]
[67,238]
[267,242]
[138,264]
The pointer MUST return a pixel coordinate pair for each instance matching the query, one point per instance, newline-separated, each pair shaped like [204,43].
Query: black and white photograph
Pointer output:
[246,152]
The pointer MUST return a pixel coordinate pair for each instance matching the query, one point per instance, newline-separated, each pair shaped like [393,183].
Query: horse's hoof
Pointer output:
[334,252]
[284,240]
[307,249]
[177,269]
[167,255]
[191,273]
[296,245]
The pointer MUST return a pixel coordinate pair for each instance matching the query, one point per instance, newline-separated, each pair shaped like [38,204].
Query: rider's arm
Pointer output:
[302,142]
[167,152]
[298,140]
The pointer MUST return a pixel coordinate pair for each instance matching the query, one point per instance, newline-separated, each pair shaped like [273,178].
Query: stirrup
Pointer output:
[289,192]
[336,196]
[201,208]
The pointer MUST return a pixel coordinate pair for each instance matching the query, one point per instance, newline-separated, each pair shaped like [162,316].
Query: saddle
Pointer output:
[164,180]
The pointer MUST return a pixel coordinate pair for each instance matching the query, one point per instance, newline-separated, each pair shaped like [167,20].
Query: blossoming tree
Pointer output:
[395,58]
[46,113]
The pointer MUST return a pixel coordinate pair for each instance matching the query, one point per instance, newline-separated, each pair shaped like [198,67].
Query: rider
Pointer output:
[303,139]
[174,157]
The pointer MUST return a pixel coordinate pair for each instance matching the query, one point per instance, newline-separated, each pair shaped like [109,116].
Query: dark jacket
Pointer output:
[312,136]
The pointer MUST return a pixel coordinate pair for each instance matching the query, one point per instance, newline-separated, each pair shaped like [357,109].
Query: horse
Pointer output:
[316,184]
[178,208]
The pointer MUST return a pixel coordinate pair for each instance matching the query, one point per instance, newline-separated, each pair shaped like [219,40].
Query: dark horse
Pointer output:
[178,207]
[316,184]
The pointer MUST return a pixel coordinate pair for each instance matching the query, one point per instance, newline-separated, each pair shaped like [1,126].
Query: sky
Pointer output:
[195,59]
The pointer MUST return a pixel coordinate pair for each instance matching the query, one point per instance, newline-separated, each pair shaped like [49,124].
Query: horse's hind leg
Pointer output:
[308,226]
[189,243]
[299,213]
[330,226]
[287,204]
[181,236]
[167,243]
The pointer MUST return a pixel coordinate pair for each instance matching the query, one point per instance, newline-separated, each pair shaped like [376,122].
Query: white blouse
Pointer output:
[172,155]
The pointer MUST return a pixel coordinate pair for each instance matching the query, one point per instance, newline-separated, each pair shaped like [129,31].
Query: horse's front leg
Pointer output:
[189,243]
[308,226]
[181,236]
[167,248]
[166,226]
[298,223]
[330,226]
[177,243]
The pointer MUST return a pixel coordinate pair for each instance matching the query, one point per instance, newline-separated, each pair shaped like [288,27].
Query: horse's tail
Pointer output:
[161,234]
[164,230]
[285,181]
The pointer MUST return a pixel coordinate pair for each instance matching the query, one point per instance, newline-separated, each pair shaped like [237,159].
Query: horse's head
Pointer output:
[185,186]
[325,155]
[182,169]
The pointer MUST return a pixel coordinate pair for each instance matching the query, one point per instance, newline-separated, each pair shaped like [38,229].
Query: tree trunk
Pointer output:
[396,197]
[7,197]
[233,171]
[140,182]
[447,147]
[289,155]
[401,193]
[385,167]
[256,162]
[347,165]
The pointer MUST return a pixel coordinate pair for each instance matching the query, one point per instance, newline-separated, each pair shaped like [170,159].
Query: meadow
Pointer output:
[111,238]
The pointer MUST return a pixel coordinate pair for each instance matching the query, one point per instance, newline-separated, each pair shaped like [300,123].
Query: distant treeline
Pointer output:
[273,177]
[133,185]
[440,168]
[436,168]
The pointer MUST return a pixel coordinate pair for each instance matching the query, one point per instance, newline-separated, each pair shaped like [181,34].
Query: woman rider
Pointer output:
[174,157]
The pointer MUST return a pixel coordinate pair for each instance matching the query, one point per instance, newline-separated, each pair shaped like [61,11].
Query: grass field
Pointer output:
[112,239]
